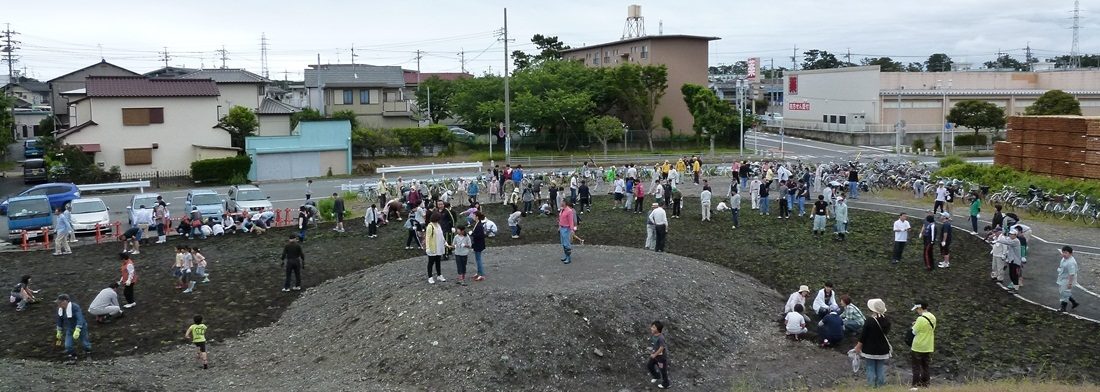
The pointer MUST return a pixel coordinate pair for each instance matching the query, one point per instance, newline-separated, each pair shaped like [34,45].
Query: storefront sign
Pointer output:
[798,106]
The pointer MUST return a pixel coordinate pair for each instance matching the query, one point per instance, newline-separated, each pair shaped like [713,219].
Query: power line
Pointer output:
[263,54]
[224,55]
[165,57]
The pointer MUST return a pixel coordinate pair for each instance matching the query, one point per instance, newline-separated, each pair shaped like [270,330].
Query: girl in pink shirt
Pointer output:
[639,197]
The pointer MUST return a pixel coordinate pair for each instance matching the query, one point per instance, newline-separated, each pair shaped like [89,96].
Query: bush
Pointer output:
[324,209]
[374,140]
[997,176]
[951,161]
[971,139]
[221,170]
[938,145]
[918,144]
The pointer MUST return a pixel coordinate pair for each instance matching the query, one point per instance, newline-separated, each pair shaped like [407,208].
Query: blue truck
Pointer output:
[30,214]
[32,149]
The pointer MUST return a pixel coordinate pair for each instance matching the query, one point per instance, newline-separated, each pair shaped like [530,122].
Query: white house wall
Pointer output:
[239,94]
[856,90]
[274,125]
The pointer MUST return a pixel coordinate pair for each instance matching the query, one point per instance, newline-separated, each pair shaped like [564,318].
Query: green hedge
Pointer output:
[971,139]
[221,170]
[951,161]
[413,138]
[997,176]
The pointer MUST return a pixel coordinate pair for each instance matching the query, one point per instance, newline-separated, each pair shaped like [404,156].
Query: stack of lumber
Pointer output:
[1060,146]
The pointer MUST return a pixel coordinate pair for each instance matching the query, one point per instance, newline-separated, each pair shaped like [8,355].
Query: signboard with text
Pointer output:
[752,68]
[798,106]
[792,85]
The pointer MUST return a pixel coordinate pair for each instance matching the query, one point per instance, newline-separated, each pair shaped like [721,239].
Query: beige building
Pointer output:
[863,100]
[74,81]
[238,87]
[142,125]
[686,57]
[376,94]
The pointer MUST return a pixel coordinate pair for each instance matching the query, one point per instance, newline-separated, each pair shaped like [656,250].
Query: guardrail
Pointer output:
[141,185]
[600,160]
[431,168]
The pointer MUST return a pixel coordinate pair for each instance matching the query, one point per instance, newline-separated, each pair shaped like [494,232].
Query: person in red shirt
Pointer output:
[128,279]
[567,225]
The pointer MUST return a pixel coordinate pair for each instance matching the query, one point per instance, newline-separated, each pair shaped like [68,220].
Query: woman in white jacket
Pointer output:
[435,243]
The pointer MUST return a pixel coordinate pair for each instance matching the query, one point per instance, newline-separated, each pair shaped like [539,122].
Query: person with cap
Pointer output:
[929,233]
[825,301]
[941,198]
[999,240]
[821,215]
[924,343]
[650,233]
[1067,276]
[975,209]
[901,236]
[946,237]
[841,215]
[873,344]
[71,326]
[660,227]
[797,298]
[105,305]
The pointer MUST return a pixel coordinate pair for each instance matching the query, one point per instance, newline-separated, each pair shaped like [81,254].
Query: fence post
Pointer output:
[97,235]
[46,238]
[157,174]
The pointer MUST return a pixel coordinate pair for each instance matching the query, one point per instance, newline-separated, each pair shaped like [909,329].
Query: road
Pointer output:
[796,148]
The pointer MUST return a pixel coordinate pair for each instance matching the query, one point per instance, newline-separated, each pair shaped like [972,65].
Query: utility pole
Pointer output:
[263,54]
[1027,56]
[462,59]
[898,126]
[794,56]
[353,55]
[1075,49]
[224,55]
[9,49]
[164,57]
[418,57]
[848,57]
[507,96]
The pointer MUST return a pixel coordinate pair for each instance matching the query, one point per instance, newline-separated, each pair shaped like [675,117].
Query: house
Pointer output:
[75,81]
[274,117]
[145,125]
[236,87]
[28,93]
[27,120]
[413,79]
[376,94]
[314,149]
[685,56]
[168,72]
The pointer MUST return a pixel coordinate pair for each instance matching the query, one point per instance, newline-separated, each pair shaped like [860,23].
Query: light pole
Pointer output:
[740,147]
[897,126]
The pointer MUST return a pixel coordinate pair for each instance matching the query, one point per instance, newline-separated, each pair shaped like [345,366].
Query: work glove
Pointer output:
[76,333]
[57,336]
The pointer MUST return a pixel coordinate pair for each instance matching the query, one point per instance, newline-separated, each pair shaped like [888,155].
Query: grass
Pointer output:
[906,197]
[7,165]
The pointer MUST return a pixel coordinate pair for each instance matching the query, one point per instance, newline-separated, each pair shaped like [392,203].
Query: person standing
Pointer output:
[567,225]
[573,186]
[295,261]
[160,212]
[371,219]
[941,198]
[303,223]
[802,194]
[841,216]
[62,228]
[821,215]
[696,168]
[338,211]
[735,208]
[1012,258]
[650,233]
[873,344]
[105,305]
[975,209]
[658,355]
[930,236]
[853,182]
[764,197]
[619,190]
[585,195]
[128,279]
[924,343]
[704,201]
[1067,276]
[71,326]
[309,189]
[435,244]
[754,192]
[477,241]
[901,236]
[461,245]
[677,201]
[660,227]
[946,237]
[639,197]
[472,191]
[998,217]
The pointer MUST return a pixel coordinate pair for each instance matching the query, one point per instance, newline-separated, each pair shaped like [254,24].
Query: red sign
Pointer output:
[792,85]
[798,106]
[753,65]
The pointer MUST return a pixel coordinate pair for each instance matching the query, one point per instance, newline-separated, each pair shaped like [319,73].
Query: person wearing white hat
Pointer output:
[923,344]
[797,298]
[841,215]
[873,345]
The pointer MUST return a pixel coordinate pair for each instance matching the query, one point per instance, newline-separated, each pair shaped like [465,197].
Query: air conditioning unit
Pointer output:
[101,164]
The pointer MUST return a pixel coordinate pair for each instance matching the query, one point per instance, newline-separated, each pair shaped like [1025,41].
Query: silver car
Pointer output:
[89,212]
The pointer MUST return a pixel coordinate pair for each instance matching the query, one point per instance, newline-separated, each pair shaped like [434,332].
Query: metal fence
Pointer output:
[159,178]
[601,160]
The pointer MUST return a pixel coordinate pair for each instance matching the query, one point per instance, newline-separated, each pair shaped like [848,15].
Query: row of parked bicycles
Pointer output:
[1072,206]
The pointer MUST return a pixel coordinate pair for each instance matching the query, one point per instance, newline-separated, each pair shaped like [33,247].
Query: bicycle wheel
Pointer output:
[361,196]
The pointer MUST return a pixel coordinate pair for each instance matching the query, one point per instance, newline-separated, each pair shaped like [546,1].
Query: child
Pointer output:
[177,267]
[200,265]
[494,189]
[188,268]
[658,356]
[197,333]
[461,245]
[796,322]
[513,221]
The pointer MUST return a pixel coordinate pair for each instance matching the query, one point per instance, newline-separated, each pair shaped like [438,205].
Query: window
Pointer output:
[142,116]
[645,51]
[391,96]
[349,97]
[843,119]
[832,119]
[596,60]
[138,156]
[364,97]
[824,118]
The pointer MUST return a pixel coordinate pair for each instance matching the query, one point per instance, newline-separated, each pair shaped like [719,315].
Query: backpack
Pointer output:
[909,335]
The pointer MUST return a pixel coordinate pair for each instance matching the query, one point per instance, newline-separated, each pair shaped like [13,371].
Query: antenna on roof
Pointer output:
[101,52]
[661,27]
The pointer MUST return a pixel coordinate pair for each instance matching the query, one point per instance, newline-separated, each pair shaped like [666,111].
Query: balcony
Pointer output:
[395,108]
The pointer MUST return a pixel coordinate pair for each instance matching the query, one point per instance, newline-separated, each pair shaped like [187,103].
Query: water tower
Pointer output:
[635,23]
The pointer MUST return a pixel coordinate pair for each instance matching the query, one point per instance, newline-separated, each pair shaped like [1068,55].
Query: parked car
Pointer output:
[34,170]
[31,149]
[89,212]
[209,203]
[138,200]
[247,198]
[59,194]
[462,135]
[29,213]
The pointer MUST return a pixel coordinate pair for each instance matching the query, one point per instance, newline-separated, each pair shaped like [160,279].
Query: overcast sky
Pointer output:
[60,36]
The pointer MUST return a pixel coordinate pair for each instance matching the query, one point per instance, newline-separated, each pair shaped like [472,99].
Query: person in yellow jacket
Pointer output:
[665,167]
[435,243]
[681,166]
[924,343]
[696,168]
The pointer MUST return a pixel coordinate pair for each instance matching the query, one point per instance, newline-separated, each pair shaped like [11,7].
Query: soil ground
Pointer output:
[984,333]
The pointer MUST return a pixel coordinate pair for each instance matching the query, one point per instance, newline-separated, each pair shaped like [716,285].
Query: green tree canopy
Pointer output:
[977,115]
[306,114]
[549,47]
[1054,102]
[938,62]
[1005,61]
[7,123]
[604,128]
[346,115]
[820,59]
[441,92]
[712,114]
[885,64]
[240,122]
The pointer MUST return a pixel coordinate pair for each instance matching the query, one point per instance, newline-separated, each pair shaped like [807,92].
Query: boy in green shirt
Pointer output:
[975,207]
[197,333]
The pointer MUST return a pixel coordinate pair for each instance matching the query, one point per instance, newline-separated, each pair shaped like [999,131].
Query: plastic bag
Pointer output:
[855,360]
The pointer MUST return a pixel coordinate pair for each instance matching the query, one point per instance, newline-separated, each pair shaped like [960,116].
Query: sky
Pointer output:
[60,36]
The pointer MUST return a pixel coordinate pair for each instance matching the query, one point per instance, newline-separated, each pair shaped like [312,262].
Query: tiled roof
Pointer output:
[33,85]
[137,86]
[410,76]
[169,72]
[358,75]
[226,75]
[271,106]
[72,130]
[102,62]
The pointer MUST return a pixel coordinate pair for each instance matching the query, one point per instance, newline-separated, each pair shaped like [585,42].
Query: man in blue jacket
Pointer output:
[71,326]
[517,175]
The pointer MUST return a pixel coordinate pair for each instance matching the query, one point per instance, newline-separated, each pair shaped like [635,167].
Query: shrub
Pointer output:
[951,161]
[918,144]
[221,170]
[970,139]
[374,140]
[938,146]
[324,208]
[997,176]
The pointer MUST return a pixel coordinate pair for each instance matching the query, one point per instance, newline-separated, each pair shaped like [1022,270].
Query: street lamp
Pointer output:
[898,126]
[740,85]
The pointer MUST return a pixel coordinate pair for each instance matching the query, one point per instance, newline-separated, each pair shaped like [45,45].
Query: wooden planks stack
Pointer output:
[1060,146]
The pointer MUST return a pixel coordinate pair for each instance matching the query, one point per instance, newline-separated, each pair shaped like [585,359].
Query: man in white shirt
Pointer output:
[660,226]
[901,236]
[105,304]
[754,192]
[941,198]
[143,218]
[632,172]
[825,301]
[704,200]
[784,173]
[573,186]
[620,190]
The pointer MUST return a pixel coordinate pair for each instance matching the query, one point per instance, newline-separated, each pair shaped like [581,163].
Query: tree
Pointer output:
[441,92]
[737,68]
[550,48]
[885,64]
[1054,102]
[820,59]
[306,114]
[46,125]
[346,115]
[666,123]
[1005,61]
[914,67]
[638,89]
[7,124]
[1087,61]
[938,62]
[714,115]
[479,102]
[604,128]
[775,73]
[240,122]
[977,115]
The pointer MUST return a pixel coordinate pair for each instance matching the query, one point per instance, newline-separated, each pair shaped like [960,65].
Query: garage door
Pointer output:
[286,166]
